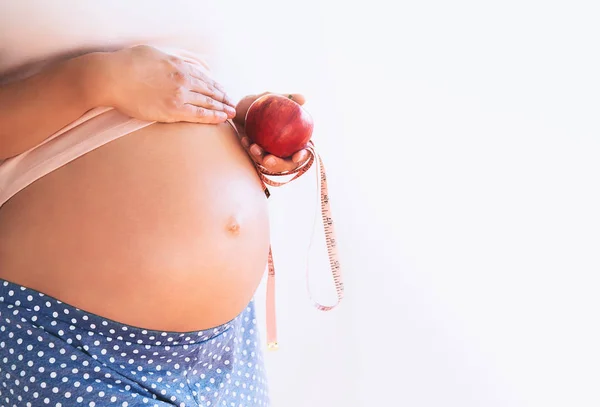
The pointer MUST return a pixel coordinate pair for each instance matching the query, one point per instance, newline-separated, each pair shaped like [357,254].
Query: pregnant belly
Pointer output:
[166,228]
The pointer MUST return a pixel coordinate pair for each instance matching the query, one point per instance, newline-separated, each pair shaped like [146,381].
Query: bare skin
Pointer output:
[141,81]
[166,228]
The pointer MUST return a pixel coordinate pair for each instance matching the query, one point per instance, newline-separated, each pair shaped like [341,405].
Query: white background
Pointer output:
[461,141]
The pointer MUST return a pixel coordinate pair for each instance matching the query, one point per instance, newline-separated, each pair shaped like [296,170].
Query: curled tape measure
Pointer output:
[330,240]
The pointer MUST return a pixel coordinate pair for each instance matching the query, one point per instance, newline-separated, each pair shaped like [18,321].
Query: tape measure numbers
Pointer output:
[330,240]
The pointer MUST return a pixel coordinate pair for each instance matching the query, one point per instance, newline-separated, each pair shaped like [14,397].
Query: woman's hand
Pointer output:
[148,84]
[268,161]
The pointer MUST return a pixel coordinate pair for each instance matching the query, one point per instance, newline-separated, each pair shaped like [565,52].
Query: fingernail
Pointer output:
[230,111]
[245,142]
[229,101]
[301,157]
[270,161]
[255,150]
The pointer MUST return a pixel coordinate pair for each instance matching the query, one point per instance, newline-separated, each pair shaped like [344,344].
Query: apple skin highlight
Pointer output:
[279,125]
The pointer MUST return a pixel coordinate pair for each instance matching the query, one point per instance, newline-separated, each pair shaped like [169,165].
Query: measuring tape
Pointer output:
[330,240]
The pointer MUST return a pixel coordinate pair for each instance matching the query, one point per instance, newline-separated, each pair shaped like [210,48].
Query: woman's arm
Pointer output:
[141,82]
[34,108]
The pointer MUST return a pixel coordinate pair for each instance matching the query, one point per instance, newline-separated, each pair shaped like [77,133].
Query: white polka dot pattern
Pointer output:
[52,353]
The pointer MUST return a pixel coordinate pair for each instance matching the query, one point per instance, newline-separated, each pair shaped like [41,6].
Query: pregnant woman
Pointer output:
[133,225]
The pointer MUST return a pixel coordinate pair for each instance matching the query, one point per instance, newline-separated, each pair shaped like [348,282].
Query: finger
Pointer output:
[256,151]
[200,100]
[191,57]
[300,156]
[277,164]
[296,97]
[197,114]
[202,83]
[198,73]
[200,86]
[246,142]
[270,161]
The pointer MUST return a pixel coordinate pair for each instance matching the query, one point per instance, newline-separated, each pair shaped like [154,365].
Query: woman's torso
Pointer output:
[165,228]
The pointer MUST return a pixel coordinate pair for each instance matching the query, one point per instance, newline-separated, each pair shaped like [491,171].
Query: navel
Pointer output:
[233,226]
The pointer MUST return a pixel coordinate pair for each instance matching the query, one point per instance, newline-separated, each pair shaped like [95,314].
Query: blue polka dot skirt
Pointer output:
[55,354]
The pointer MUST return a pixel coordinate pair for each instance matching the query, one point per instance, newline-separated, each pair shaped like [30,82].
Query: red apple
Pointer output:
[278,124]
